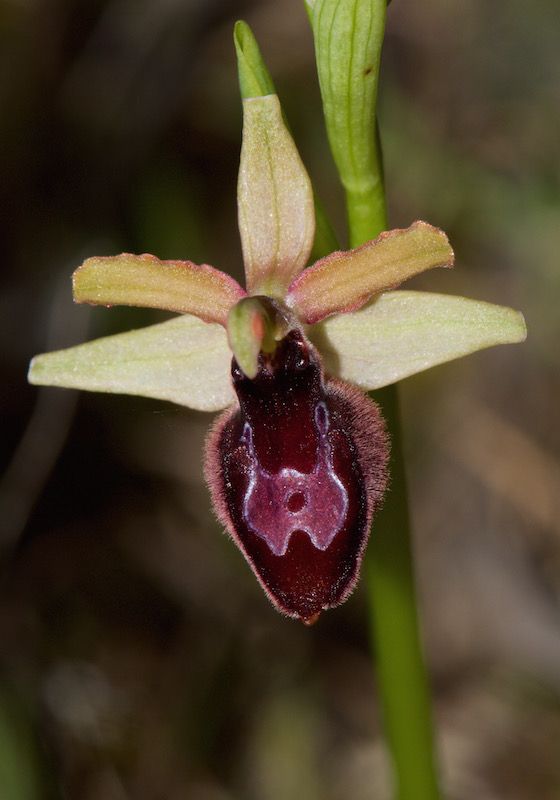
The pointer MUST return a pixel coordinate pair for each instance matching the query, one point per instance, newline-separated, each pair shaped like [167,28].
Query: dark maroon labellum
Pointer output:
[296,472]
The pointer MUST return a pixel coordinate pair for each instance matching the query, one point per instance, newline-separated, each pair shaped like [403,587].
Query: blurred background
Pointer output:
[138,658]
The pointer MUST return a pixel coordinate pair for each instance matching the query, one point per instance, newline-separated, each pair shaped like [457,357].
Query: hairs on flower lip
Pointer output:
[307,559]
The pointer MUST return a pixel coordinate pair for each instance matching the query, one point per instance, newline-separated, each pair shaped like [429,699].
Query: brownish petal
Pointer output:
[146,281]
[345,281]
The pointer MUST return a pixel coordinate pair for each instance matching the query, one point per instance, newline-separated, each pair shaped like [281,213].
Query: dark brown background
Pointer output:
[138,658]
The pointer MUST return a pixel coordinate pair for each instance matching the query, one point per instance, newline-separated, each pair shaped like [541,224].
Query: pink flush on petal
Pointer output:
[296,472]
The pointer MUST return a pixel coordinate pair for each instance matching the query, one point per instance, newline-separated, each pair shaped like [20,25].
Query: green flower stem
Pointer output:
[362,207]
[391,591]
[391,596]
[389,572]
[367,208]
[389,569]
[348,38]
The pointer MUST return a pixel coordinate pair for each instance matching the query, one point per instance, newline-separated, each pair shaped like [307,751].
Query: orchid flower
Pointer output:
[297,463]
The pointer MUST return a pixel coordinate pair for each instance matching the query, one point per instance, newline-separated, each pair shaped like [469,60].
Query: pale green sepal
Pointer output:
[255,81]
[275,200]
[184,360]
[250,330]
[405,332]
[254,77]
[146,281]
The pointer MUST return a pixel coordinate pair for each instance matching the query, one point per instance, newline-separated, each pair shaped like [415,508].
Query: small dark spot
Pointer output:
[368,71]
[296,502]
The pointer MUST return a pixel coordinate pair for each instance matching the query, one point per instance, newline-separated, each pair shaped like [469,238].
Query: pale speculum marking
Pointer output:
[278,504]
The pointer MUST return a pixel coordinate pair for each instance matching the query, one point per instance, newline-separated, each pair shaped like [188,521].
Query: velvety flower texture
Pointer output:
[297,464]
[296,472]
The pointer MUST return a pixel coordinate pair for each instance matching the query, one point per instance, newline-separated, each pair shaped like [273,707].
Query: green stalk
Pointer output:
[348,38]
[391,590]
[366,209]
[391,597]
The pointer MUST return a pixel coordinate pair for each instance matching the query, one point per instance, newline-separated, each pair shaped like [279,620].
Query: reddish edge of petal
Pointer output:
[369,433]
[147,281]
[213,468]
[311,310]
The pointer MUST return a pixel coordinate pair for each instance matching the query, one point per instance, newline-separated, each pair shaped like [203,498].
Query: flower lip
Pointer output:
[295,474]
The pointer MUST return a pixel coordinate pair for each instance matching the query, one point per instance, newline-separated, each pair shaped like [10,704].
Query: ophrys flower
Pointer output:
[297,464]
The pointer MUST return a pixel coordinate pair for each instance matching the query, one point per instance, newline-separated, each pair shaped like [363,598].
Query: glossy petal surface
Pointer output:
[275,200]
[345,281]
[295,475]
[183,360]
[402,333]
[146,281]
